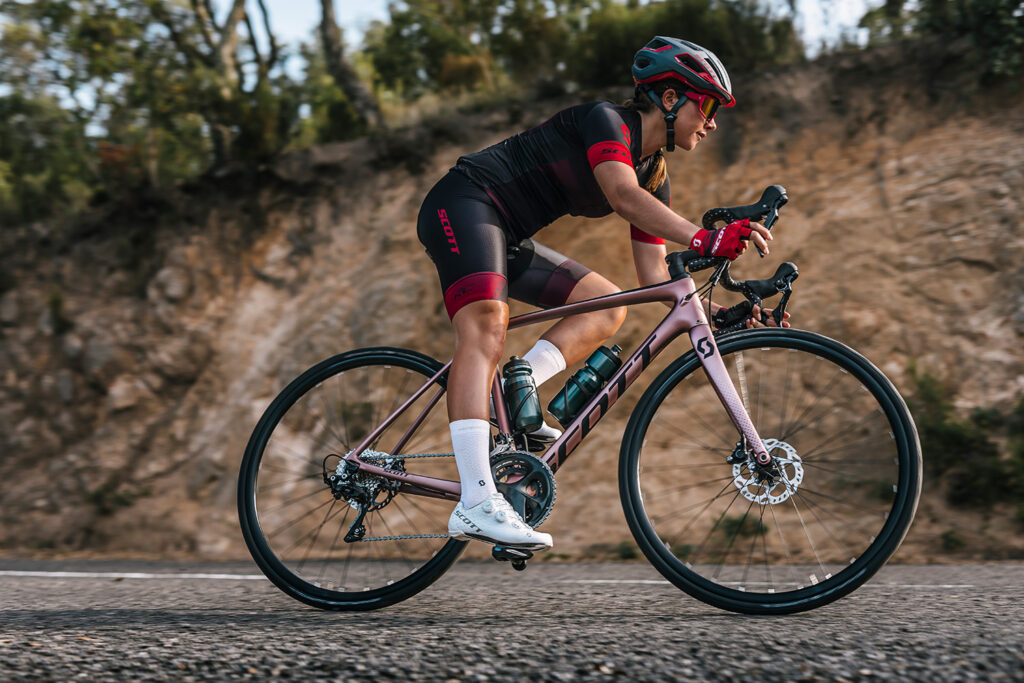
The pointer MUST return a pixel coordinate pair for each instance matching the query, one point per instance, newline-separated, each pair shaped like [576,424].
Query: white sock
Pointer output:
[472,457]
[545,360]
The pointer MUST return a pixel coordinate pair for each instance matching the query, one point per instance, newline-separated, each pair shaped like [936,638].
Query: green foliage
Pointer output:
[963,454]
[995,27]
[626,551]
[459,43]
[61,323]
[743,526]
[742,34]
[952,541]
[105,99]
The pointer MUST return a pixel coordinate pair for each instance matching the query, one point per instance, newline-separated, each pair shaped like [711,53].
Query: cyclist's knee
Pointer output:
[482,325]
[595,285]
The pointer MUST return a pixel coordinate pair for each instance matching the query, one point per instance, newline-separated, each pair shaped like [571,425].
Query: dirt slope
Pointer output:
[133,369]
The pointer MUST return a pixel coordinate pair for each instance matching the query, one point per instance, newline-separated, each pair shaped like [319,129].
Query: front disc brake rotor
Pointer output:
[773,484]
[527,482]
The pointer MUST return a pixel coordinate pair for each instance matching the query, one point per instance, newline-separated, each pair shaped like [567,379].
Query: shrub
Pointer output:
[961,454]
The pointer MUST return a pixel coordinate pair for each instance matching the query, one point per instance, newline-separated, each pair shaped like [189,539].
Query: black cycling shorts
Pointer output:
[467,240]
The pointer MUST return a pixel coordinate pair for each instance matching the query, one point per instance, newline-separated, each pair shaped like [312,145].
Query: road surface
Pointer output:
[107,620]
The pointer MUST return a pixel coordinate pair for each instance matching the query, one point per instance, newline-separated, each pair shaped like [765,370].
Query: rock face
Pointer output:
[129,382]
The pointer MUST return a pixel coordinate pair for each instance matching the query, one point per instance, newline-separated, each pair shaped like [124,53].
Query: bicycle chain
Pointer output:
[370,456]
[401,538]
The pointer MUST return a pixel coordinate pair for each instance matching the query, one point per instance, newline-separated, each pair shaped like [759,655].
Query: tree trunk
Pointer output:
[344,76]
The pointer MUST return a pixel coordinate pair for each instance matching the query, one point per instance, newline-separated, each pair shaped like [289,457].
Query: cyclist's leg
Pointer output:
[540,276]
[464,236]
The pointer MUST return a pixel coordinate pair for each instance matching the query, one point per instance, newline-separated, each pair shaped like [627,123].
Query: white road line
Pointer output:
[761,583]
[133,575]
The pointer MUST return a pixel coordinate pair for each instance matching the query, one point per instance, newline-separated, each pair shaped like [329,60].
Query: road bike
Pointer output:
[764,471]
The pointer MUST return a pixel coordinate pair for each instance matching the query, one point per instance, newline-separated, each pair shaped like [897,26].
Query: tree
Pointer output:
[995,27]
[228,98]
[344,76]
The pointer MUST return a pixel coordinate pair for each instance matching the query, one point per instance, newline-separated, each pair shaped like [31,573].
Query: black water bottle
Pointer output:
[584,383]
[521,396]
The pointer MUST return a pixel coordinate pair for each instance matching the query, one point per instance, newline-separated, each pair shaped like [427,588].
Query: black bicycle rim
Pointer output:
[278,571]
[747,598]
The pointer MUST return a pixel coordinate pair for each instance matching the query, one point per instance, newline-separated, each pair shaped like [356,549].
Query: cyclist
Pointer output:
[477,222]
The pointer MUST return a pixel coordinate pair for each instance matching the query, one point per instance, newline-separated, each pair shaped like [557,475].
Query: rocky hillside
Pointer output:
[140,346]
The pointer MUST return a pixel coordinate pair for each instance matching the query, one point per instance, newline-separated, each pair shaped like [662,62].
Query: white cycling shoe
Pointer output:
[493,520]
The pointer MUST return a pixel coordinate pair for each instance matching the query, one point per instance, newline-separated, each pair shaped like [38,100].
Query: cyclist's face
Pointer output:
[691,126]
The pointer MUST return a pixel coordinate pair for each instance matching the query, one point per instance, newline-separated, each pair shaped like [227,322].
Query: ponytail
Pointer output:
[657,176]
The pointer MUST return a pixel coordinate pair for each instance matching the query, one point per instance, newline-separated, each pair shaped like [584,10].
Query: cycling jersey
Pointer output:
[546,172]
[477,221]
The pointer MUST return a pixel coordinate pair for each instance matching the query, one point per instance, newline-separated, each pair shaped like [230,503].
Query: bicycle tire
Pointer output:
[848,398]
[282,472]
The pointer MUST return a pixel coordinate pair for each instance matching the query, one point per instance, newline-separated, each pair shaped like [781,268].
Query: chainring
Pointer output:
[527,482]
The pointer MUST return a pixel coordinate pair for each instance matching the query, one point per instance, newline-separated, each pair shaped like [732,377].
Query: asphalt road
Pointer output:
[481,621]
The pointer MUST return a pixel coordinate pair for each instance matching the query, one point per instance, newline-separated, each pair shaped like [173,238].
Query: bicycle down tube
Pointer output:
[686,315]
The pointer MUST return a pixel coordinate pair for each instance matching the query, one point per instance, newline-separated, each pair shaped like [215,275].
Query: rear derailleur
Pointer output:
[364,493]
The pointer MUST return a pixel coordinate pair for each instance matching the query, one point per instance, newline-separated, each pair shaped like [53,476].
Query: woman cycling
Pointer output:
[477,221]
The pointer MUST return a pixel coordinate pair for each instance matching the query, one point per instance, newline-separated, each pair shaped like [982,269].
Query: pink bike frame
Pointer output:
[687,315]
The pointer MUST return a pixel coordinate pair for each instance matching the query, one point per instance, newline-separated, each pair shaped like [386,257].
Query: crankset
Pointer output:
[527,482]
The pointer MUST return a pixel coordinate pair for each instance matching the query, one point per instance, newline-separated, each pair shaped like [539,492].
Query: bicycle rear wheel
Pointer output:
[835,507]
[299,533]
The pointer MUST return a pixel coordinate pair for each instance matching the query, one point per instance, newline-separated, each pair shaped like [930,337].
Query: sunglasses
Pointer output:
[706,104]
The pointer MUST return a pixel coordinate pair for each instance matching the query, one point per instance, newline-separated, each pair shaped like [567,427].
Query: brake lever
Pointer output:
[764,209]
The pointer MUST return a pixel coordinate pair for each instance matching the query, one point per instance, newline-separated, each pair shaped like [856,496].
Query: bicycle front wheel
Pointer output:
[314,545]
[833,507]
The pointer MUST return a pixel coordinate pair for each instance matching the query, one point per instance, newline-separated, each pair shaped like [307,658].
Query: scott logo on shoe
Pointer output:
[466,520]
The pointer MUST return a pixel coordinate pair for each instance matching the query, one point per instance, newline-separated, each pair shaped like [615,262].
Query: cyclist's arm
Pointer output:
[620,187]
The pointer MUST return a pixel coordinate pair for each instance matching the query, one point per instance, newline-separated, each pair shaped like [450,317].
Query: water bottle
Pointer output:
[586,382]
[521,396]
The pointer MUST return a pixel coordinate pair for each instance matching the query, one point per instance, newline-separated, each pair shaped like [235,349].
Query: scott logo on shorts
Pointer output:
[443,215]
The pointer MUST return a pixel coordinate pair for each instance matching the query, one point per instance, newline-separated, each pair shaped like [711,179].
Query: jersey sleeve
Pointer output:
[606,136]
[664,194]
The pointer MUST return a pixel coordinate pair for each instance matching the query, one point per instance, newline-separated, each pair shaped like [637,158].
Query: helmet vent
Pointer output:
[656,44]
[692,62]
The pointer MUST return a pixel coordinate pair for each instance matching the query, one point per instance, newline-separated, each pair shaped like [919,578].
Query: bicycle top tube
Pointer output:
[677,290]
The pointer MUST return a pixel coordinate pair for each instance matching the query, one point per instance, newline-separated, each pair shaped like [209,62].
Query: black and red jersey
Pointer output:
[547,172]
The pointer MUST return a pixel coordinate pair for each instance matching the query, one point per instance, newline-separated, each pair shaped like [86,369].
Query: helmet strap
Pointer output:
[670,115]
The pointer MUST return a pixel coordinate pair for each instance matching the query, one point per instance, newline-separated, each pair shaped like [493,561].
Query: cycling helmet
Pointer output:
[673,59]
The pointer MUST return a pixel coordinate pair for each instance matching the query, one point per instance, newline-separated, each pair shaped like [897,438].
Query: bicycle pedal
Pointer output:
[514,555]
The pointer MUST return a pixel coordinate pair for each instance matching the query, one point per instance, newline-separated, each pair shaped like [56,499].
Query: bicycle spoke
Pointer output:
[732,538]
[838,455]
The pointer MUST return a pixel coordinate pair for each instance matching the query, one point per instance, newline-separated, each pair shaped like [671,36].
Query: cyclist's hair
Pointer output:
[643,104]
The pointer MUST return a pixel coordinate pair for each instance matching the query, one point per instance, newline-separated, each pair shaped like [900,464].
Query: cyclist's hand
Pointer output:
[755,320]
[730,241]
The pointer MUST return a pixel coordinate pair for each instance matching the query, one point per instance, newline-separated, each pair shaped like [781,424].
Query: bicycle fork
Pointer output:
[714,366]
